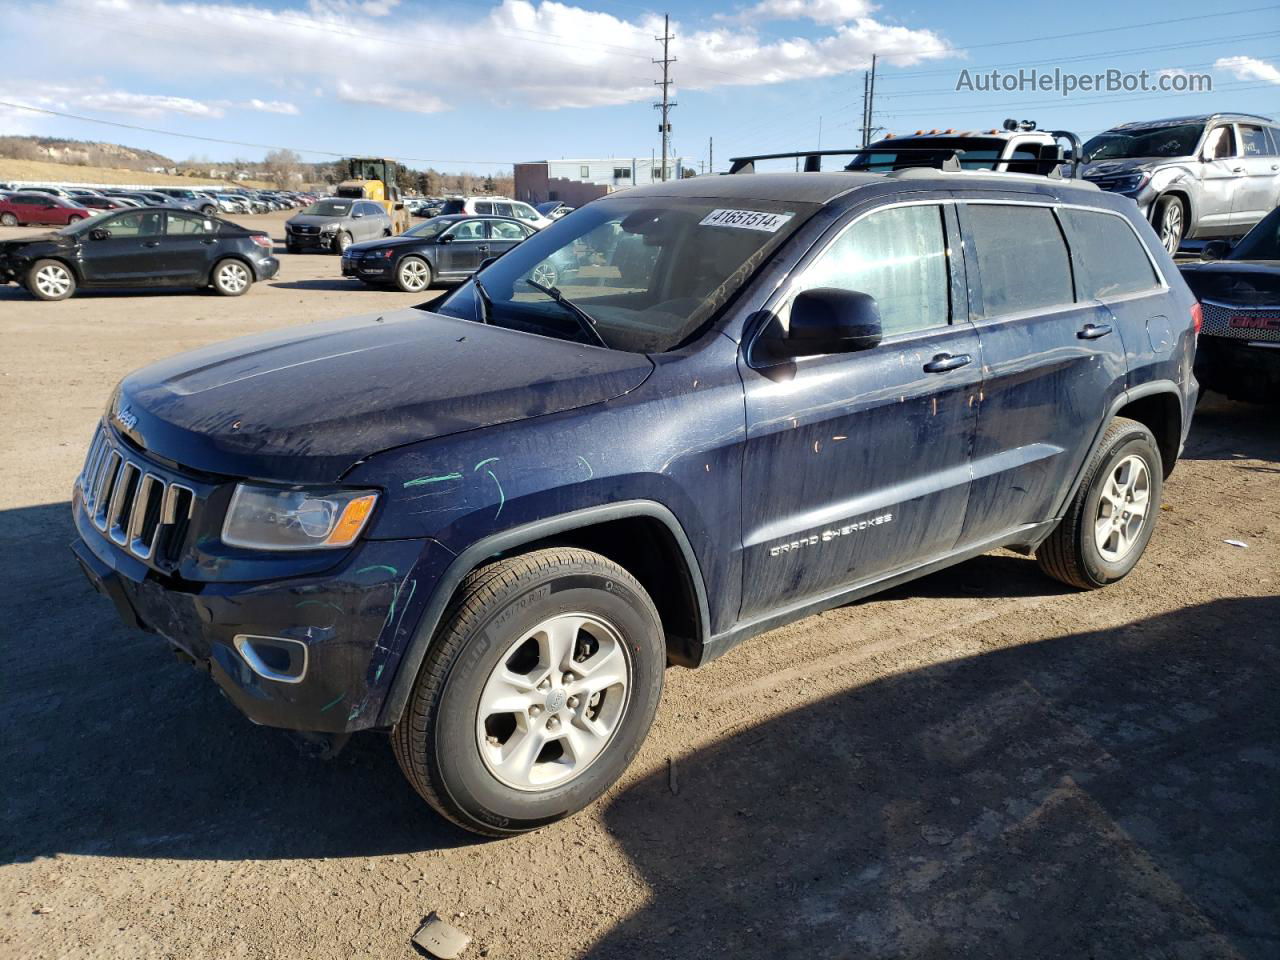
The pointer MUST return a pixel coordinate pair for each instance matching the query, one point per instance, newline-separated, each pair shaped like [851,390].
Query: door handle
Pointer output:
[1092,331]
[151,243]
[1237,169]
[208,241]
[945,361]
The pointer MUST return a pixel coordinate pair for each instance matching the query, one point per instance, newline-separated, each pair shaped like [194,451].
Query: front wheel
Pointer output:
[536,693]
[50,280]
[73,219]
[413,275]
[341,242]
[231,278]
[1110,519]
[1170,223]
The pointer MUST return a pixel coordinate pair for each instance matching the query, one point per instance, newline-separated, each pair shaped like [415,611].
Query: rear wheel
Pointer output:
[208,211]
[51,280]
[1111,518]
[231,278]
[1170,222]
[545,273]
[536,693]
[73,219]
[413,275]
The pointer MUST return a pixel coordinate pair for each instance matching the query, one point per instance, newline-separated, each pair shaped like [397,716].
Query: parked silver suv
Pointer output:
[1194,178]
[335,223]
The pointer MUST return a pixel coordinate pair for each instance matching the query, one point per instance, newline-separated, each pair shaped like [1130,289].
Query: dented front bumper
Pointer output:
[351,625]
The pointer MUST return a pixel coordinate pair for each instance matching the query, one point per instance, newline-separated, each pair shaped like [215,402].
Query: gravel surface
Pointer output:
[981,763]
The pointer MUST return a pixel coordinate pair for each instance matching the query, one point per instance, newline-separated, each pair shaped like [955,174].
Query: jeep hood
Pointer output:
[305,404]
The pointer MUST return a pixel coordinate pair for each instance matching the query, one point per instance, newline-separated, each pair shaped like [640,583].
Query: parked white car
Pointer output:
[496,206]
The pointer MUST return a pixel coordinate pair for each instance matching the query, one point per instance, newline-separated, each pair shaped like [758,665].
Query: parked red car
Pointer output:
[21,209]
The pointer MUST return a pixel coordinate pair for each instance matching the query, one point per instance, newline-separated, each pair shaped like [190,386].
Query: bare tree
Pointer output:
[283,167]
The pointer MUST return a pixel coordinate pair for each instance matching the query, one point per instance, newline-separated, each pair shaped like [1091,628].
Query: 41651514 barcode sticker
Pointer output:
[746,220]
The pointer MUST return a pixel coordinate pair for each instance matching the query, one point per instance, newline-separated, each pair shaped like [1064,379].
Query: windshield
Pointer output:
[1177,140]
[647,273]
[1262,242]
[328,208]
[429,228]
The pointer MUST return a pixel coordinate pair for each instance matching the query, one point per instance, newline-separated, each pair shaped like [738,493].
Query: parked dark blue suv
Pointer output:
[488,528]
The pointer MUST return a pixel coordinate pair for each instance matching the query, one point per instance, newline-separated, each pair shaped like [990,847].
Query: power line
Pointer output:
[233,143]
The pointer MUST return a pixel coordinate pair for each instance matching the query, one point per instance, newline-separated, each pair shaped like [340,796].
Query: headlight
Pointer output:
[266,518]
[329,228]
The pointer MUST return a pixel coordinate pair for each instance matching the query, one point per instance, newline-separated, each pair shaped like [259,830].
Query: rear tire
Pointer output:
[1111,518]
[231,277]
[413,275]
[50,280]
[571,633]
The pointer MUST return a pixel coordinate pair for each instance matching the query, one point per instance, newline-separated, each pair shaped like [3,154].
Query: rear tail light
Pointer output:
[1197,316]
[261,239]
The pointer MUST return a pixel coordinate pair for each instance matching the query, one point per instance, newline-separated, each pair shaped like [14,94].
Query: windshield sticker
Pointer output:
[746,220]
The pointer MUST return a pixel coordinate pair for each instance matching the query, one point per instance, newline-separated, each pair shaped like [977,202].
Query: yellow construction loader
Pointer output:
[374,178]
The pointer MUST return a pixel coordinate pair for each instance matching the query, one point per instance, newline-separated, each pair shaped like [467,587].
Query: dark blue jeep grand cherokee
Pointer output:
[679,416]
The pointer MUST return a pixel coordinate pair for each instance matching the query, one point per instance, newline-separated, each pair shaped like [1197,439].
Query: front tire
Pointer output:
[536,693]
[413,275]
[341,242]
[231,278]
[50,280]
[8,220]
[1170,220]
[1111,517]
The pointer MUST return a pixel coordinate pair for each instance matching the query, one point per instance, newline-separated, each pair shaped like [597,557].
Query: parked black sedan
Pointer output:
[1238,352]
[448,248]
[139,248]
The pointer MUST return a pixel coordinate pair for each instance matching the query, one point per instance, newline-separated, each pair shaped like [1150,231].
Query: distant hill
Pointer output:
[83,153]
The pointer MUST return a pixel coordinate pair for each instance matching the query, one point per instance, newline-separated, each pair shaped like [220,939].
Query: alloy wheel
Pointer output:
[233,277]
[544,274]
[1171,227]
[1122,508]
[53,281]
[414,275]
[553,702]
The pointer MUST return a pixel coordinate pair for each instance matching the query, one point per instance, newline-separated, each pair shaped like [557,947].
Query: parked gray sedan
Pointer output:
[1195,178]
[335,223]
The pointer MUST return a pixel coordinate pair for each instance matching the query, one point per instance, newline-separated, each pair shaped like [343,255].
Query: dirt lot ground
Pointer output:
[978,764]
[50,172]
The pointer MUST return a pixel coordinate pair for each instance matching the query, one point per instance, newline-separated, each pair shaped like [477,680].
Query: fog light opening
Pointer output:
[274,658]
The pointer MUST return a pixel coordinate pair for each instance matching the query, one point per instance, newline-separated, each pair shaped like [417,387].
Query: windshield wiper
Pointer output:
[585,320]
[486,305]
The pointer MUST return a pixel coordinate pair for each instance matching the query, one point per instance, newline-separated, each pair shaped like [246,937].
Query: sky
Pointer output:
[480,84]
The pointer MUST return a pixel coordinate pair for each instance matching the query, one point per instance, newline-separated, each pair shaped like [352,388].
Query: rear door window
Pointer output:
[178,225]
[484,206]
[502,209]
[1110,260]
[897,255]
[1021,256]
[1253,141]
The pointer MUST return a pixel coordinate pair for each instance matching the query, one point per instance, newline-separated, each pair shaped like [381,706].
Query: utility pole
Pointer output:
[868,101]
[711,154]
[665,83]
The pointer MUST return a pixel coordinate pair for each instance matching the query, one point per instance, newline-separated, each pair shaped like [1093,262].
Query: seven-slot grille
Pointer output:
[138,509]
[1257,324]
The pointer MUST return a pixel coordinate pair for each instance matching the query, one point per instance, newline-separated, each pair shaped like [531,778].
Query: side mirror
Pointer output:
[445,238]
[1215,250]
[830,320]
[356,216]
[99,233]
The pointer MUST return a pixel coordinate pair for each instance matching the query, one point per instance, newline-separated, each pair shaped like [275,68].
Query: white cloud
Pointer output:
[269,106]
[387,95]
[1249,68]
[819,11]
[543,55]
[145,104]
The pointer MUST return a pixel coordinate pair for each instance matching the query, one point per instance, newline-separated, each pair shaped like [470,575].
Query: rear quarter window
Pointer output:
[1109,258]
[1022,257]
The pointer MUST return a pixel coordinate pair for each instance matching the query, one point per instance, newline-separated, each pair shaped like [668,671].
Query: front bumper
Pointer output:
[1240,369]
[354,621]
[315,241]
[379,269]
